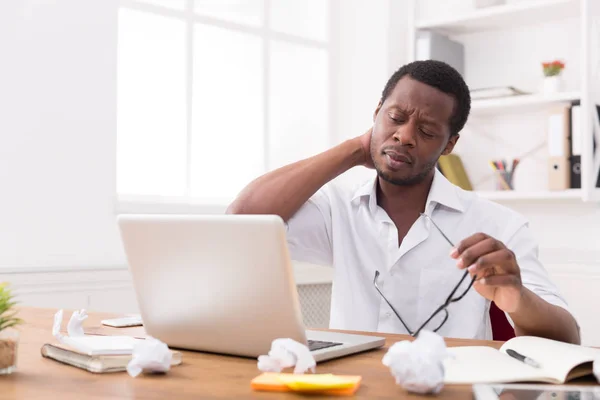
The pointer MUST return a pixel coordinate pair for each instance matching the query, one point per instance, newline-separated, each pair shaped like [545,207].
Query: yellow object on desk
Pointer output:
[308,383]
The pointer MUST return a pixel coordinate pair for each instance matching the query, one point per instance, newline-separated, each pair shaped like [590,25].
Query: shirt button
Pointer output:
[388,314]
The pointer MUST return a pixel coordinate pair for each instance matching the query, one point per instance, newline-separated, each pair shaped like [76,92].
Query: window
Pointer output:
[213,93]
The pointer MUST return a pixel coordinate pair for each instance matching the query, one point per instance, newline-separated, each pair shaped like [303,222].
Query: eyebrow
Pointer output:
[430,121]
[426,119]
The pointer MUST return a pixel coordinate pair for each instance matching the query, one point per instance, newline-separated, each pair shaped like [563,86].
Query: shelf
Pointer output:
[523,195]
[504,16]
[522,103]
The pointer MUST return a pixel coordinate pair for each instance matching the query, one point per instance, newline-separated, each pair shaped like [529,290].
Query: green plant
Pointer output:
[553,68]
[8,313]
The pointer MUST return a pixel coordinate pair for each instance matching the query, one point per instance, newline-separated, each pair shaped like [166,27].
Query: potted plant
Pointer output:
[552,76]
[9,337]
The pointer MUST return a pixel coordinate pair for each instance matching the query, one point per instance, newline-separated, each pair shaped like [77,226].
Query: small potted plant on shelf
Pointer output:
[9,337]
[552,76]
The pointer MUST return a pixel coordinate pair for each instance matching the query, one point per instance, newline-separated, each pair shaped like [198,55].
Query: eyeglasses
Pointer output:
[440,309]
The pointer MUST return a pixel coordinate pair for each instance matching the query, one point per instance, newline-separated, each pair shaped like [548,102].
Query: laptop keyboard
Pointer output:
[315,345]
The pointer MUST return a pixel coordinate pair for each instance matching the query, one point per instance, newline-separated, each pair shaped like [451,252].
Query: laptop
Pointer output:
[222,284]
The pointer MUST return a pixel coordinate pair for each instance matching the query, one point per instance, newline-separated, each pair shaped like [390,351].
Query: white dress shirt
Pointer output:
[345,228]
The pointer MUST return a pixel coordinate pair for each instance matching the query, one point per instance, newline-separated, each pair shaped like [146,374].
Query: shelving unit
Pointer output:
[511,195]
[522,103]
[531,14]
[504,16]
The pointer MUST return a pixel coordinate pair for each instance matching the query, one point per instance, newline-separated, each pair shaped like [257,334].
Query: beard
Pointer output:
[413,179]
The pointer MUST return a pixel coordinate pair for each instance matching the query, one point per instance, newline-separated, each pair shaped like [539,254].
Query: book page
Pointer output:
[101,345]
[481,364]
[556,358]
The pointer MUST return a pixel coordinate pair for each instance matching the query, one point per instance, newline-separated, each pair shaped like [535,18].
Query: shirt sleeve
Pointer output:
[309,231]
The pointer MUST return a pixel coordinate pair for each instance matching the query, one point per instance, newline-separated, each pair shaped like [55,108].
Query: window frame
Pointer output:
[187,204]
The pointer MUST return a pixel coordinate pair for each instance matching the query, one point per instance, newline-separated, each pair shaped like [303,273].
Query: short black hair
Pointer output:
[443,77]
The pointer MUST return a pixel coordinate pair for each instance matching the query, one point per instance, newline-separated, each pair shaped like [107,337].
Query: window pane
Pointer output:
[151,122]
[304,18]
[228,112]
[299,103]
[248,12]
[173,4]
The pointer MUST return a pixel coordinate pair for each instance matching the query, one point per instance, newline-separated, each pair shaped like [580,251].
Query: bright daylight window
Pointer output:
[213,93]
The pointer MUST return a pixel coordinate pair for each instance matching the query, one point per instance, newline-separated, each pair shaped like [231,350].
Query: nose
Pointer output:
[405,134]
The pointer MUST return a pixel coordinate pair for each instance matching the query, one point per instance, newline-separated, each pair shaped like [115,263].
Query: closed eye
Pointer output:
[427,134]
[396,118]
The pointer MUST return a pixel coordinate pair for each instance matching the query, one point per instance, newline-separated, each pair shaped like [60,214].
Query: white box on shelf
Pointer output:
[435,46]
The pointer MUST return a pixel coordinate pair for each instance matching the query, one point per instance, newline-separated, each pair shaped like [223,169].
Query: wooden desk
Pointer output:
[201,376]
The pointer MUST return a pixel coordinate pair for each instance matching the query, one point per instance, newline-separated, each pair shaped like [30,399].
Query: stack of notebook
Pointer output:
[93,360]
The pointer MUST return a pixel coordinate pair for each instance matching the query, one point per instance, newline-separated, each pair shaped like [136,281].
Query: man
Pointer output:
[378,225]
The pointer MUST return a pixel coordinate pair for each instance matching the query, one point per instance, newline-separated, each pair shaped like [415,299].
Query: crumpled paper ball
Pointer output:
[286,353]
[74,327]
[418,365]
[150,356]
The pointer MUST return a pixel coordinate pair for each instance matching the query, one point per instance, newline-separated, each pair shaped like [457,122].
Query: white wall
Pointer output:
[363,63]
[57,130]
[372,45]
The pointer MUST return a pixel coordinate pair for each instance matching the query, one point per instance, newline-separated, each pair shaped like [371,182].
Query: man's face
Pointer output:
[411,130]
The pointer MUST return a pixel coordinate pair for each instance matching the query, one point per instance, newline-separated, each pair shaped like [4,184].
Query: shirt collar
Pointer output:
[442,192]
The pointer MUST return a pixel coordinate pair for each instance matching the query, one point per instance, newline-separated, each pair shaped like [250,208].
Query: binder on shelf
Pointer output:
[452,168]
[576,145]
[594,139]
[559,169]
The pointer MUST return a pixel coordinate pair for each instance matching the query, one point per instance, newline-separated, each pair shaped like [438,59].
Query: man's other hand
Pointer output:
[498,274]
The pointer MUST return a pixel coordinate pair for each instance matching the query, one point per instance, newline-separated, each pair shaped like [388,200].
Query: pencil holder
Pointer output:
[504,180]
[504,172]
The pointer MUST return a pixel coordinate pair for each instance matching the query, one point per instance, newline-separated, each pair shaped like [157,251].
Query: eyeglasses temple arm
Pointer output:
[465,292]
[393,309]
[442,307]
[438,228]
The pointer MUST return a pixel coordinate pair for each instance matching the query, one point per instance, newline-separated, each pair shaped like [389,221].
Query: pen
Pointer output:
[522,358]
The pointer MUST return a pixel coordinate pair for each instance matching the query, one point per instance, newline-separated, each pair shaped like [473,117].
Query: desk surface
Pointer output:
[200,376]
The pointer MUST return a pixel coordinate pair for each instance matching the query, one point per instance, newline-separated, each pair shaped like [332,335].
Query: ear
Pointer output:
[450,145]
[377,110]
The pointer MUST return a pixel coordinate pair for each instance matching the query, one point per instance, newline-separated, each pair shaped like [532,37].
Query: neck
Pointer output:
[396,199]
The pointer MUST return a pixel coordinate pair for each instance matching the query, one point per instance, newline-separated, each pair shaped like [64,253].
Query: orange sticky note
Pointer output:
[313,383]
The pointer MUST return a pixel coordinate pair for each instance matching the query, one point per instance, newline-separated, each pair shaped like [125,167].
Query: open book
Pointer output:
[559,362]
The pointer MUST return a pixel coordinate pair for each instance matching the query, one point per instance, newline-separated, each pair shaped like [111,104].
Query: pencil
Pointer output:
[502,180]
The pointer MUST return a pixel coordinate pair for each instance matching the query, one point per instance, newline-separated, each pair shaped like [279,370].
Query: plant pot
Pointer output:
[552,84]
[9,344]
